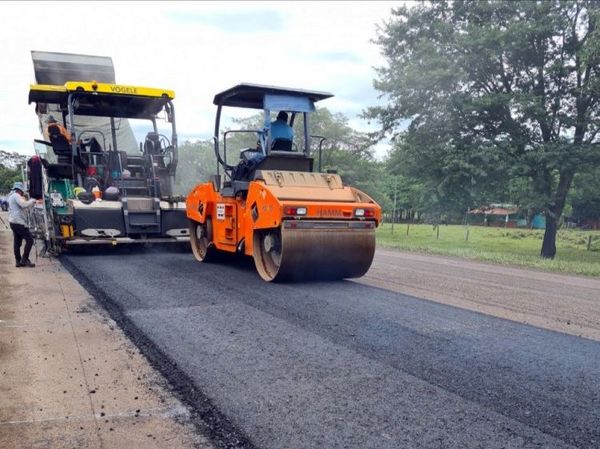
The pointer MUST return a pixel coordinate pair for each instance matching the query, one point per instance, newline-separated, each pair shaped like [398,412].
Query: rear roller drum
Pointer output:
[267,253]
[201,240]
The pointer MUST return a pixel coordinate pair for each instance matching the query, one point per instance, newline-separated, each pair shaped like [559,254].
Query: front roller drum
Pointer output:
[301,250]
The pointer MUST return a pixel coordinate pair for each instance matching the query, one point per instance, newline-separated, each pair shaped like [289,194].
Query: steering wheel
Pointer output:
[246,155]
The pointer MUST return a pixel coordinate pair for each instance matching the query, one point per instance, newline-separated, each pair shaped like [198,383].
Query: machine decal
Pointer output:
[330,213]
[123,89]
[220,211]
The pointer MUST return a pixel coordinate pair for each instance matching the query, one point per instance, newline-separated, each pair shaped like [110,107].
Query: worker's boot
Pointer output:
[27,263]
[18,264]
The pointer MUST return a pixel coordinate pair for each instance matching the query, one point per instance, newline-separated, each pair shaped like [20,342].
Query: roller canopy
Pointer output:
[257,96]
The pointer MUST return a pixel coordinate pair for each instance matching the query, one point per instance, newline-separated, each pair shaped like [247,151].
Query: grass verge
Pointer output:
[498,245]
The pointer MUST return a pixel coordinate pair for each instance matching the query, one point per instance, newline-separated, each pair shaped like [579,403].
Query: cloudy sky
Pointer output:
[196,49]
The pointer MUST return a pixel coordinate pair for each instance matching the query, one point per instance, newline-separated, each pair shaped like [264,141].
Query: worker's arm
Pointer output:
[23,203]
[65,132]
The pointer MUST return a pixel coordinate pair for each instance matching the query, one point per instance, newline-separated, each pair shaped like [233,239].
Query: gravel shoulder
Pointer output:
[559,302]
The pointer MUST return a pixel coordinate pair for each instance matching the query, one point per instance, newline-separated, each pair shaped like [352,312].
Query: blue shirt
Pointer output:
[281,130]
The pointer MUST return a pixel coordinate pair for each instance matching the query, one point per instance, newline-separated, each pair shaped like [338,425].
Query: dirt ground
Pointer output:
[564,303]
[68,376]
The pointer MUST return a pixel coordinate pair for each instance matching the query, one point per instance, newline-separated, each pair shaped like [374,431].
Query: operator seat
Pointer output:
[152,146]
[60,145]
[63,168]
[152,143]
[281,145]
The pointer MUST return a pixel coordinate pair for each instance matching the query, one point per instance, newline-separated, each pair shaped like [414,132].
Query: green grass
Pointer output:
[498,245]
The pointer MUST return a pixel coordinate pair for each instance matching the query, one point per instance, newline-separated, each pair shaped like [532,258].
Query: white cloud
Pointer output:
[196,49]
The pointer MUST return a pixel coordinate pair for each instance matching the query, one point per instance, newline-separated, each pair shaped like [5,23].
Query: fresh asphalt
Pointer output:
[344,365]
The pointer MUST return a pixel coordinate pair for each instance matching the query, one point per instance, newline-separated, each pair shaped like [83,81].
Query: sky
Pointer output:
[197,50]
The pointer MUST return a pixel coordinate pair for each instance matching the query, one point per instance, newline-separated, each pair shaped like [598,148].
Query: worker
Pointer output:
[51,121]
[18,223]
[280,130]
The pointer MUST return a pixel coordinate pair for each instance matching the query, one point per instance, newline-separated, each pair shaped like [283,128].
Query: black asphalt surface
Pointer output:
[344,365]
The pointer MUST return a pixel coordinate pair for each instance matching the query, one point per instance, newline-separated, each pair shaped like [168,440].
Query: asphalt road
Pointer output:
[346,365]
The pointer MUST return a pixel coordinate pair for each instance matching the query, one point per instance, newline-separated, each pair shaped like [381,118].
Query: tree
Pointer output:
[197,162]
[9,169]
[494,89]
[8,176]
[585,197]
[350,153]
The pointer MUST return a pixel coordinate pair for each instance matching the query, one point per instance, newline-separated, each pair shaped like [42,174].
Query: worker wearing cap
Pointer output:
[51,121]
[17,204]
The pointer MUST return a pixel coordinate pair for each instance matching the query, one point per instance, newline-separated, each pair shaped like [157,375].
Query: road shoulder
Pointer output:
[555,301]
[69,376]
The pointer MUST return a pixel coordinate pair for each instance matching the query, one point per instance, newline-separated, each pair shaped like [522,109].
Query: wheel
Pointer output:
[201,240]
[267,253]
[332,251]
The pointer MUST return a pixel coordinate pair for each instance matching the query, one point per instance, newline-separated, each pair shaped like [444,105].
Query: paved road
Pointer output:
[348,365]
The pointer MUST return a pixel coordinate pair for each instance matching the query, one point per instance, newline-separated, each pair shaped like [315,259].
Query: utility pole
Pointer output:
[467,223]
[395,196]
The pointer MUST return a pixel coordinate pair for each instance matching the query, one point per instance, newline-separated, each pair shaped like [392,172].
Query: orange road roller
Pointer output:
[297,223]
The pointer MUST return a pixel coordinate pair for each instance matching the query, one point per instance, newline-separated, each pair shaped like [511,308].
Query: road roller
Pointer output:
[271,204]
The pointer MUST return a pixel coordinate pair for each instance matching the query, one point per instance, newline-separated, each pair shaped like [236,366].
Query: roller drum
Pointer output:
[318,250]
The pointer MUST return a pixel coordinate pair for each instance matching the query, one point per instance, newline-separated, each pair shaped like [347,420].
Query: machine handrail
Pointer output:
[121,173]
[154,193]
[241,131]
[321,140]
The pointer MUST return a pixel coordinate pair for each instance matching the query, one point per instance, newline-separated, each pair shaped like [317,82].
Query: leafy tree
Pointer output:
[197,162]
[7,177]
[445,182]
[495,89]
[585,197]
[351,153]
[9,169]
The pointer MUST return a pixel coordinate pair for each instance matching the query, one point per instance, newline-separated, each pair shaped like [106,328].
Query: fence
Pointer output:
[581,239]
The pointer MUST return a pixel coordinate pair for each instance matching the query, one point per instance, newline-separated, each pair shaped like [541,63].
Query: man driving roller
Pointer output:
[280,130]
